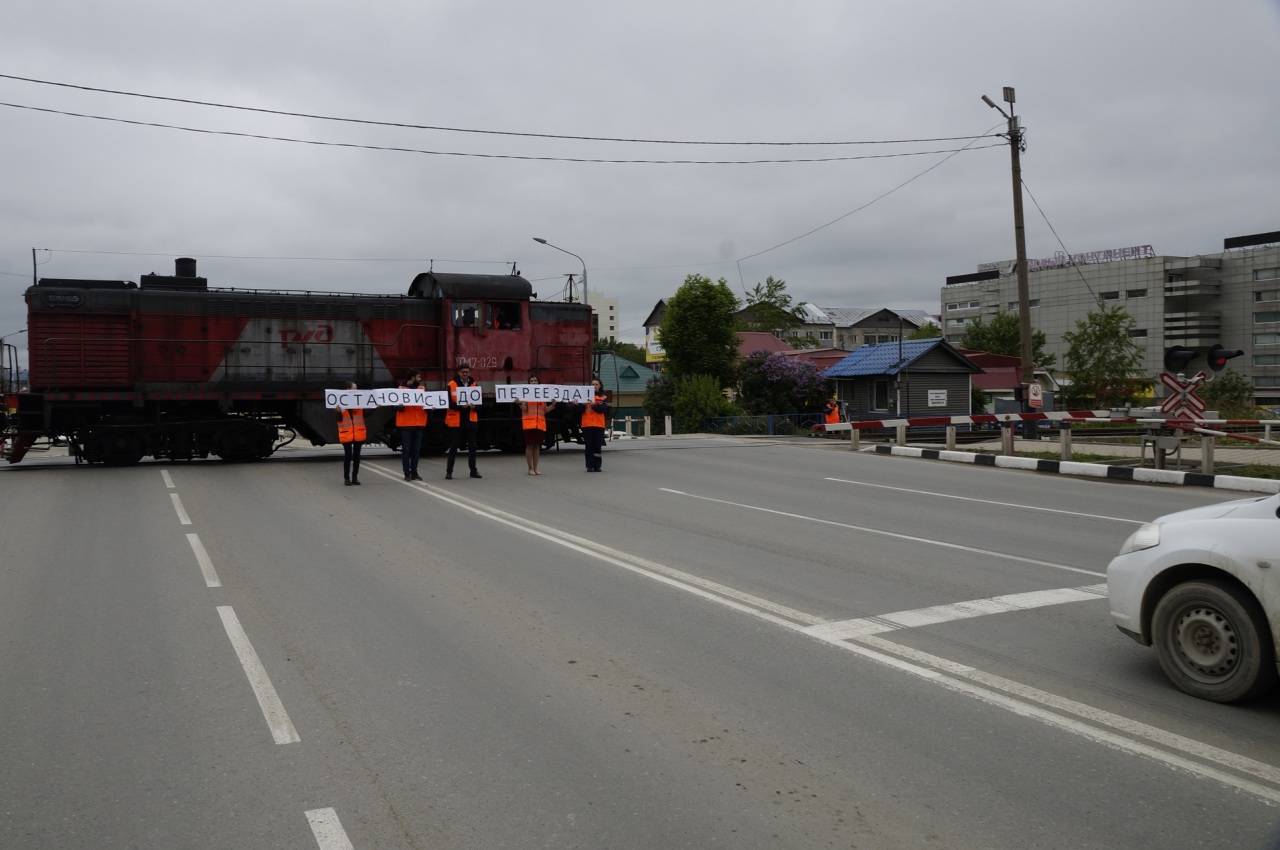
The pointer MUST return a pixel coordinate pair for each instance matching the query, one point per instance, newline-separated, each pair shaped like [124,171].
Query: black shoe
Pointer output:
[415,476]
[355,481]
[448,476]
[408,477]
[475,474]
[346,481]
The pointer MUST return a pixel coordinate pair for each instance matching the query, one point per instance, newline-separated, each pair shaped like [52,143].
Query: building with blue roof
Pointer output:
[914,377]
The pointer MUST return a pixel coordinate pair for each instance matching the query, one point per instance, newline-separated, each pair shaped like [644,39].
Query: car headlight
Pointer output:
[1145,537]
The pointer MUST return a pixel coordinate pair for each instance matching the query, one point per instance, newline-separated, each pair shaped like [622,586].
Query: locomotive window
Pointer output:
[506,317]
[465,314]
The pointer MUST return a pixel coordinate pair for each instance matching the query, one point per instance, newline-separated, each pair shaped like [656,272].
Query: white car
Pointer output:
[1203,587]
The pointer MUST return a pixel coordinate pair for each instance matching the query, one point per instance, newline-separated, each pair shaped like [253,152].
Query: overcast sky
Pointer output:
[1148,122]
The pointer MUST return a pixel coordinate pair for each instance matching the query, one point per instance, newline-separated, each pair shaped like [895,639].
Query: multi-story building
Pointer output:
[605,316]
[1232,298]
[848,328]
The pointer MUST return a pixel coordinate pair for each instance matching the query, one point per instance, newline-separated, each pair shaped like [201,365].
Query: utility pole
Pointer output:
[1016,145]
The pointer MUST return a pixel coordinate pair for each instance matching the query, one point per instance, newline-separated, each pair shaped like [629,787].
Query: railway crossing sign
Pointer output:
[1183,401]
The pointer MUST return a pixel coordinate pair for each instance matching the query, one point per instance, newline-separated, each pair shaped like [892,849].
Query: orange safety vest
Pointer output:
[453,418]
[591,419]
[411,416]
[534,417]
[833,414]
[351,426]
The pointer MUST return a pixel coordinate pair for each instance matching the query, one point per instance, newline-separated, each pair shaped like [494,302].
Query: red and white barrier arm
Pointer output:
[975,419]
[1212,433]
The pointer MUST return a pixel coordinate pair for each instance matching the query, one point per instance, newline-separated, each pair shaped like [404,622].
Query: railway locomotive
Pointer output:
[172,368]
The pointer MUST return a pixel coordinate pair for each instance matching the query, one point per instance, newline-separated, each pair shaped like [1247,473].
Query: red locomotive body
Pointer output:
[171,368]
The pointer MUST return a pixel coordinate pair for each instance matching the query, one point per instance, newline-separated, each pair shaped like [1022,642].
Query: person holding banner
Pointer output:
[460,429]
[412,421]
[593,422]
[351,433]
[533,418]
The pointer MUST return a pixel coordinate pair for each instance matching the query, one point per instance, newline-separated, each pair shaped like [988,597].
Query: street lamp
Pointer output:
[571,254]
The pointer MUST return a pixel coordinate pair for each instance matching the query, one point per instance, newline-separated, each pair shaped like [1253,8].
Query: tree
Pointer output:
[774,383]
[929,330]
[697,331]
[769,308]
[696,397]
[1102,358]
[1231,394]
[622,350]
[1004,336]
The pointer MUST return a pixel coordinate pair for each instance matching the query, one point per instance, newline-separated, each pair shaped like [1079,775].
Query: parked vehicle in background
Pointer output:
[1203,588]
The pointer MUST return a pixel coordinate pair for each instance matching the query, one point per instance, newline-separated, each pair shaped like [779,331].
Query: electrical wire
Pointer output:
[216,105]
[873,200]
[526,157]
[1055,236]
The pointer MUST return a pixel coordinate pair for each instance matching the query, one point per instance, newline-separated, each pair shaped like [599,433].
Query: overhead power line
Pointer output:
[403,125]
[479,155]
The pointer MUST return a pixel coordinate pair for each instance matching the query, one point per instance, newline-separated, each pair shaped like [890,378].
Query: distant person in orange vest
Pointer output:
[351,434]
[832,411]
[462,422]
[593,422]
[411,419]
[533,418]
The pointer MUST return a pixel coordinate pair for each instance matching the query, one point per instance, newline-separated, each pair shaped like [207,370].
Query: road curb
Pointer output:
[1091,470]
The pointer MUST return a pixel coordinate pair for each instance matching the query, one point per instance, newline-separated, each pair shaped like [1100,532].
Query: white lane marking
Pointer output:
[1067,724]
[894,534]
[651,569]
[202,557]
[177,506]
[168,479]
[272,708]
[328,830]
[964,680]
[1172,740]
[846,629]
[985,501]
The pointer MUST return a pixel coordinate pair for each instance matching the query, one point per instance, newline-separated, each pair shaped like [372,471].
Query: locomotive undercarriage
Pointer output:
[121,435]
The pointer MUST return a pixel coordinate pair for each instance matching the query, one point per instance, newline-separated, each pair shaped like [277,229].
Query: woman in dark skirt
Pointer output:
[533,418]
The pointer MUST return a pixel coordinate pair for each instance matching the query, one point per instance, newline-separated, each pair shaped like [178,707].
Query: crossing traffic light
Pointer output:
[1218,356]
[1177,358]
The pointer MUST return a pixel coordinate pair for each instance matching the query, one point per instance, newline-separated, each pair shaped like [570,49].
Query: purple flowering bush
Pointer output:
[772,383]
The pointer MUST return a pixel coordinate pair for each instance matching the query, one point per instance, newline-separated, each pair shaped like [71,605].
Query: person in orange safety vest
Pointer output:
[351,433]
[411,420]
[832,411]
[533,419]
[459,429]
[593,422]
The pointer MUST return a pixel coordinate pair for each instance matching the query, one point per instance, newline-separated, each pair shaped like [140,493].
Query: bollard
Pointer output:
[668,429]
[1064,436]
[629,432]
[902,435]
[647,423]
[1206,454]
[1006,440]
[951,438]
[855,438]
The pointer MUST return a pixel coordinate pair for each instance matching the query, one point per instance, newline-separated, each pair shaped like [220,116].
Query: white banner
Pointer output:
[469,395]
[544,392]
[350,399]
[391,397]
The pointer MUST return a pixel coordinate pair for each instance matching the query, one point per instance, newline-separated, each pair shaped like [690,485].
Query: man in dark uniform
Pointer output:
[462,423]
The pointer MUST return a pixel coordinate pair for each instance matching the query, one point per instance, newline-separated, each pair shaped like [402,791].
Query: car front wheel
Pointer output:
[1212,641]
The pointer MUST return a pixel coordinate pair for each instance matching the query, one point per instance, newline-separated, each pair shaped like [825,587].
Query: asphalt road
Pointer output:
[714,643]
